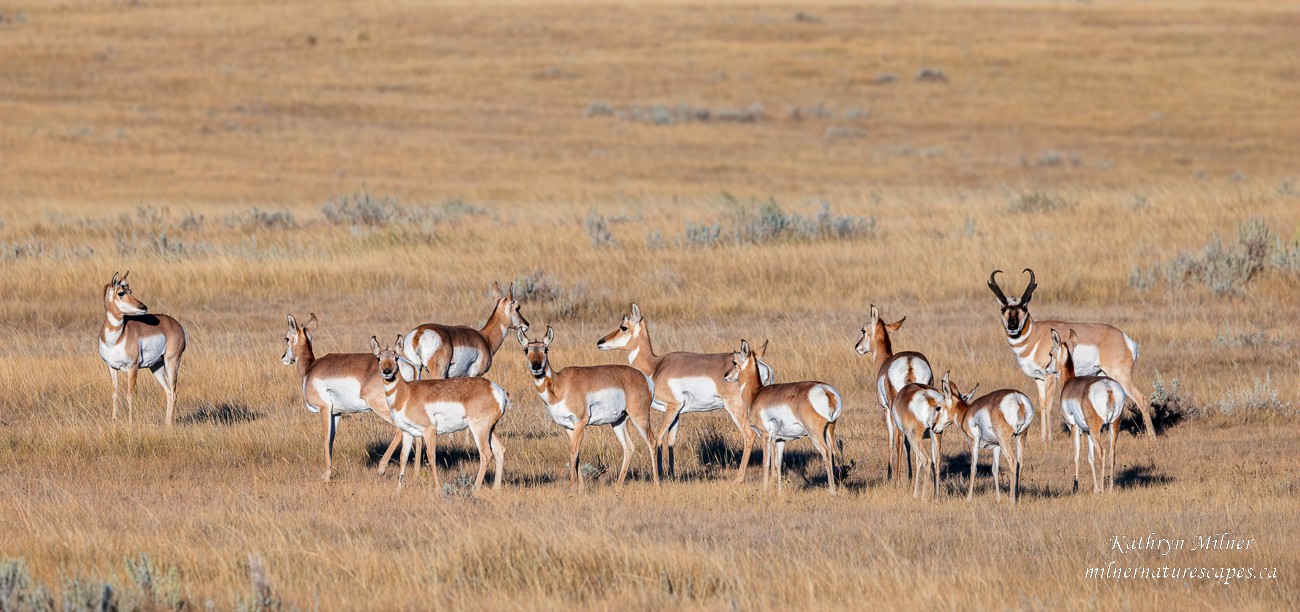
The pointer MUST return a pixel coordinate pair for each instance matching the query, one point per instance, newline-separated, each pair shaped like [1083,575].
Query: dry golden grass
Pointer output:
[201,112]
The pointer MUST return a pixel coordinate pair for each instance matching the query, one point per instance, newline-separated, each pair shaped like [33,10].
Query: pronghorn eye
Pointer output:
[623,328]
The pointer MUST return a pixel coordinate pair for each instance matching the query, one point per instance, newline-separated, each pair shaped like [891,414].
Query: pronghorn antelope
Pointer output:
[786,411]
[338,382]
[916,410]
[1090,404]
[683,383]
[578,397]
[451,351]
[893,372]
[995,420]
[427,408]
[1102,349]
[132,339]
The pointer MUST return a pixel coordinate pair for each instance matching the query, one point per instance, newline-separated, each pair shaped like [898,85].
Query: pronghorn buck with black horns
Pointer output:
[683,383]
[1102,349]
[1090,405]
[337,384]
[427,408]
[578,397]
[893,372]
[917,410]
[131,339]
[995,420]
[783,412]
[453,351]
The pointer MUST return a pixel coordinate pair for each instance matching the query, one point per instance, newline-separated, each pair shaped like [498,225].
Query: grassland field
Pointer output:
[382,164]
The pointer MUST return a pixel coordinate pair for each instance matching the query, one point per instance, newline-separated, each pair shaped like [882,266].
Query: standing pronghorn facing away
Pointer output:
[784,412]
[995,420]
[683,383]
[578,397]
[335,384]
[918,409]
[132,339]
[451,351]
[427,408]
[1090,404]
[1102,349]
[893,372]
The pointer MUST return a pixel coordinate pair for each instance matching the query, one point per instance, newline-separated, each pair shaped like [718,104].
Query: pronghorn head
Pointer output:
[631,327]
[118,298]
[876,332]
[388,358]
[743,361]
[536,352]
[954,402]
[507,307]
[1062,355]
[1015,311]
[297,338]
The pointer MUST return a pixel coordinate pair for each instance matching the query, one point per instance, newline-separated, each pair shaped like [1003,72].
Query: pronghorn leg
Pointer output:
[112,374]
[498,457]
[936,458]
[747,444]
[891,472]
[768,452]
[1139,400]
[130,393]
[1015,479]
[830,443]
[997,473]
[642,425]
[825,452]
[388,454]
[1113,434]
[160,374]
[620,431]
[668,433]
[482,442]
[1045,401]
[328,425]
[1075,430]
[1092,463]
[575,443]
[974,460]
[919,463]
[419,447]
[166,373]
[780,459]
[440,362]
[431,436]
[406,454]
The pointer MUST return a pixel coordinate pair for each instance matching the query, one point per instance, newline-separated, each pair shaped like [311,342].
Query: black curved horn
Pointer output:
[993,286]
[1029,291]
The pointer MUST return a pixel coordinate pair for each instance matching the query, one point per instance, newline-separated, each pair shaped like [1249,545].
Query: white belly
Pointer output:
[152,349]
[561,414]
[779,422]
[702,392]
[464,362]
[341,394]
[1087,360]
[606,406]
[447,417]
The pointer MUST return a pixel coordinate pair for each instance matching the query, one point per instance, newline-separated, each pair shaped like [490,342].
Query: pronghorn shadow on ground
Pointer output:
[1141,476]
[226,414]
[450,455]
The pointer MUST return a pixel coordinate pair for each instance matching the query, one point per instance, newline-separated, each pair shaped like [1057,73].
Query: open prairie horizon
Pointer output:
[740,170]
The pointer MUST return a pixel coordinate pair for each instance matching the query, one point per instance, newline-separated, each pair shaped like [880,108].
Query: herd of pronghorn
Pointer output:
[430,382]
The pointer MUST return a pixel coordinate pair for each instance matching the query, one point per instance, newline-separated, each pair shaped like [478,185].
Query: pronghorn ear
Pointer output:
[496,291]
[550,335]
[893,327]
[374,345]
[114,283]
[1074,340]
[124,275]
[636,313]
[744,348]
[875,313]
[311,324]
[293,323]
[1056,338]
[512,292]
[523,340]
[762,350]
[971,393]
[947,387]
[397,345]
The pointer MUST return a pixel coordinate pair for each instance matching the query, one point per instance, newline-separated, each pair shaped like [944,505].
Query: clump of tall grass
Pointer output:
[768,222]
[1260,398]
[365,209]
[147,587]
[1224,268]
[556,301]
[256,218]
[1040,202]
[598,230]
